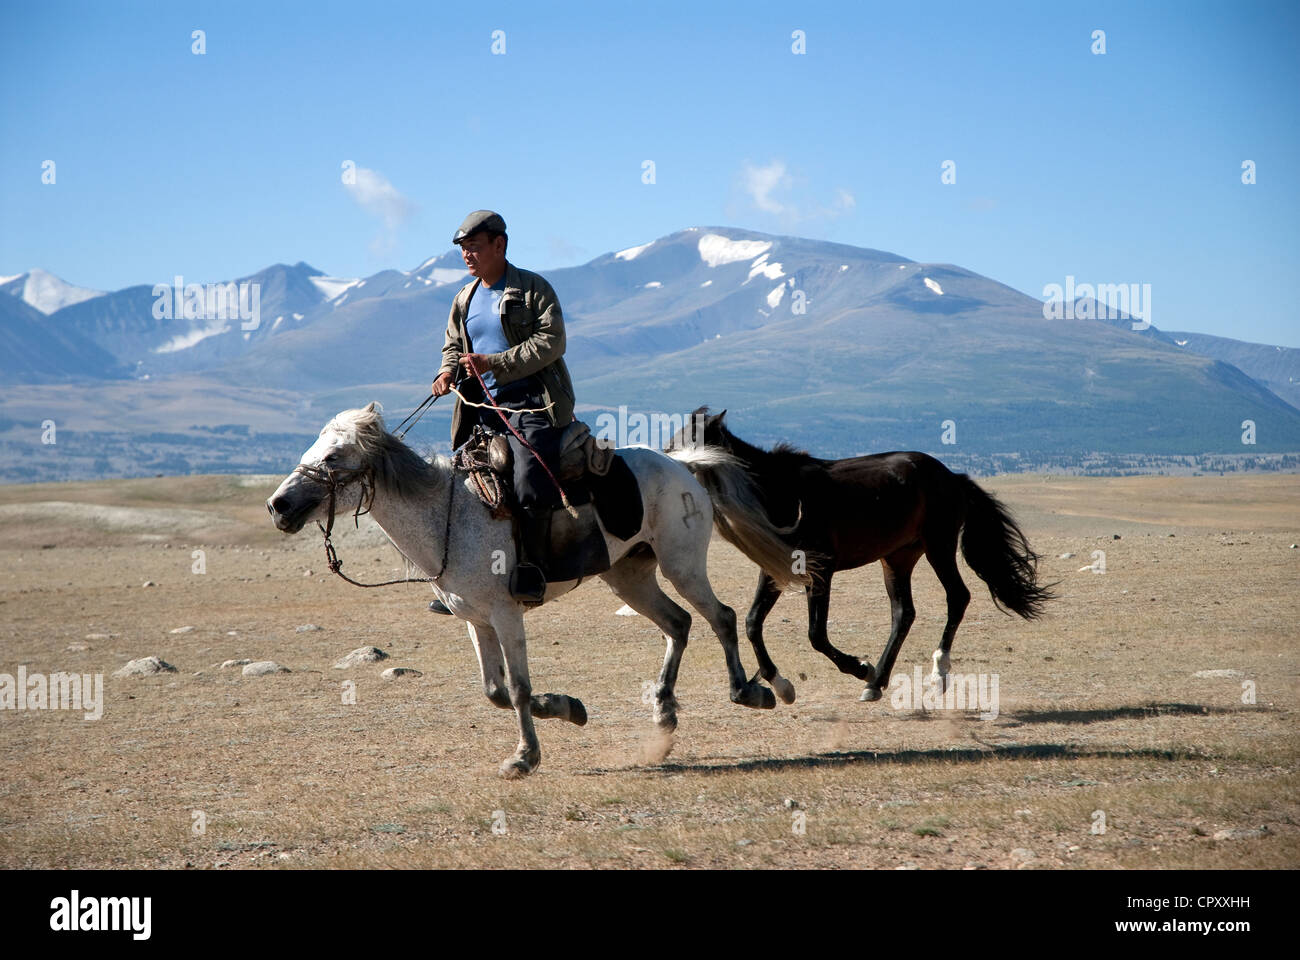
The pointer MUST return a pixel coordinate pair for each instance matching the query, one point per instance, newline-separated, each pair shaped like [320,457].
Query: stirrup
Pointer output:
[528,583]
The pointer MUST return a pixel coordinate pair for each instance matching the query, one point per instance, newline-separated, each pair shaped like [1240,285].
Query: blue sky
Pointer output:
[1120,168]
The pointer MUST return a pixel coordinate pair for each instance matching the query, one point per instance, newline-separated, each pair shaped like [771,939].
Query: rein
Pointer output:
[414,417]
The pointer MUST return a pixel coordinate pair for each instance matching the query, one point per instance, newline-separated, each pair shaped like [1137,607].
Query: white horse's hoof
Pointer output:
[513,770]
[939,673]
[869,695]
[519,766]
[665,714]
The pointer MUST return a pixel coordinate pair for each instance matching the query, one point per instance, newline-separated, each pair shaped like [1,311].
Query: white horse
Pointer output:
[432,515]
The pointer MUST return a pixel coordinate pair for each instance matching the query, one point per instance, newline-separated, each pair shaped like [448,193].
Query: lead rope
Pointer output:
[492,406]
[335,564]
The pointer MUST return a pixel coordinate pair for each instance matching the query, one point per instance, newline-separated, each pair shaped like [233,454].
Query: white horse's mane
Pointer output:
[396,466]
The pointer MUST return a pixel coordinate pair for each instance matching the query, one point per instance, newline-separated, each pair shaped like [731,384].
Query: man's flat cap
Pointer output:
[479,220]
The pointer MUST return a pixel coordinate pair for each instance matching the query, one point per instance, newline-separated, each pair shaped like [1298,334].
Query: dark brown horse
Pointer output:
[839,514]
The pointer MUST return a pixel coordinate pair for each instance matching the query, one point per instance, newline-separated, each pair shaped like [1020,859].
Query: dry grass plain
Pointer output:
[1100,705]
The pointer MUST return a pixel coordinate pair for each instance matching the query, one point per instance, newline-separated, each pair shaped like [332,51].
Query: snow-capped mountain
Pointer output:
[45,292]
[163,328]
[446,268]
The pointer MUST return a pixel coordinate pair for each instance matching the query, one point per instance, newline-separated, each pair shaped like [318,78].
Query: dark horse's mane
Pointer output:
[783,454]
[779,473]
[790,452]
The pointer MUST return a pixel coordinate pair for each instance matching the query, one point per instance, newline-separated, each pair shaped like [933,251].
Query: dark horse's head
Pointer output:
[703,429]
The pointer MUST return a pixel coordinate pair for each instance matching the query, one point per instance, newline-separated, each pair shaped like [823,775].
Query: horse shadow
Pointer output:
[952,755]
[1142,712]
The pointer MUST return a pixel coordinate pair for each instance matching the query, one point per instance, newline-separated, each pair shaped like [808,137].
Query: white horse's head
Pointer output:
[346,456]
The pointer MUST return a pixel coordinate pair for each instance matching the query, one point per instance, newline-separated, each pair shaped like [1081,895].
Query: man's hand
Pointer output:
[442,385]
[475,362]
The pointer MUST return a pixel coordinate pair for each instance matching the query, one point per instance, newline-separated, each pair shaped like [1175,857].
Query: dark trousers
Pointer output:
[535,490]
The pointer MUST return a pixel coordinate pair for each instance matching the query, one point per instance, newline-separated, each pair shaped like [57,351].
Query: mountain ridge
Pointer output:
[840,349]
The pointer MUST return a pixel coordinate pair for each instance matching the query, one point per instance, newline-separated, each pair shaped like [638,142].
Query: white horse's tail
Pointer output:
[739,515]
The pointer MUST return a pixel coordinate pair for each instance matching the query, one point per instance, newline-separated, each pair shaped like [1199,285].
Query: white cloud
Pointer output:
[377,196]
[562,251]
[773,188]
[759,182]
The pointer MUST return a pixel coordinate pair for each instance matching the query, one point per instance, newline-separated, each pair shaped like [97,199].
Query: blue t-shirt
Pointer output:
[483,324]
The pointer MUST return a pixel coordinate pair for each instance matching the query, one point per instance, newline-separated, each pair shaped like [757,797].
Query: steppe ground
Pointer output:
[1148,721]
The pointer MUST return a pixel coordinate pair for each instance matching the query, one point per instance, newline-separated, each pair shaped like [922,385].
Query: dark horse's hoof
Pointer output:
[755,695]
[869,695]
[577,712]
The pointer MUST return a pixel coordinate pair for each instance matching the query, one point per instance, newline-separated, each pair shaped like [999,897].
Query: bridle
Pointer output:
[335,480]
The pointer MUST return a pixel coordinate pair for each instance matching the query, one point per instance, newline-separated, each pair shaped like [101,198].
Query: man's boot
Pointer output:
[528,579]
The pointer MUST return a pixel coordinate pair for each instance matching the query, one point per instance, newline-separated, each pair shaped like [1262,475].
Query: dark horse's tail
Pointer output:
[996,549]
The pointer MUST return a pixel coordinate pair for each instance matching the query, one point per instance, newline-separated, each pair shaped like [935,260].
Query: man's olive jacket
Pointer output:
[534,328]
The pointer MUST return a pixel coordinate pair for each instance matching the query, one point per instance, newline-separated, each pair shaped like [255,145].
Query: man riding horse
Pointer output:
[506,327]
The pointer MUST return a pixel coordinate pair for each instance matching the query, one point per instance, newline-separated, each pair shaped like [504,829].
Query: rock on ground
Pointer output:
[263,667]
[1240,834]
[392,673]
[144,667]
[359,656]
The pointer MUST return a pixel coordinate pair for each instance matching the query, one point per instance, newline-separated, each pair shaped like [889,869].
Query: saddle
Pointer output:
[597,482]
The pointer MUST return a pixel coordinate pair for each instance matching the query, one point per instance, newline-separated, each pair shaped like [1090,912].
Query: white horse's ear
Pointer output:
[370,407]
